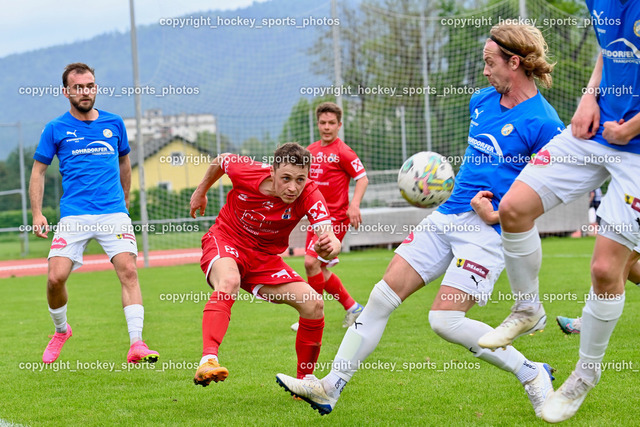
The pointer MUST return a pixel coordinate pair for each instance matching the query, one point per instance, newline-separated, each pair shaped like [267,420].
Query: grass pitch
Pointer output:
[413,378]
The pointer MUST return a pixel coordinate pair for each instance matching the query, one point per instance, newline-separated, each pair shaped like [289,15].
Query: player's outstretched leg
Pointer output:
[569,325]
[456,328]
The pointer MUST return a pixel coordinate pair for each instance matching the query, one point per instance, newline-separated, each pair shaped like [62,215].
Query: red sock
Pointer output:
[317,282]
[334,287]
[308,342]
[215,321]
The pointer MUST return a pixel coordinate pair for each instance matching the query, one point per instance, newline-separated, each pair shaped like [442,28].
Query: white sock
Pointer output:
[206,358]
[362,337]
[522,259]
[599,318]
[59,317]
[134,314]
[456,328]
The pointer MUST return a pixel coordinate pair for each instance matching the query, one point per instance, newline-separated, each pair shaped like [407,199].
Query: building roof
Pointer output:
[151,147]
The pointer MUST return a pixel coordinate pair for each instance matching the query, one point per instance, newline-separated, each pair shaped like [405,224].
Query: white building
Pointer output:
[155,125]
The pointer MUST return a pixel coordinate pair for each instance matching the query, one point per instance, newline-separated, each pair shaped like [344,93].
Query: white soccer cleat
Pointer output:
[351,316]
[520,322]
[539,388]
[563,403]
[295,327]
[310,390]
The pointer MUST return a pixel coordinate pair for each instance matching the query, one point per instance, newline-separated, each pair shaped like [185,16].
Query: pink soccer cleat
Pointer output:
[54,347]
[139,352]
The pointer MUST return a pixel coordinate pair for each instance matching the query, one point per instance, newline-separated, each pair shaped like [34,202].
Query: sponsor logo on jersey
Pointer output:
[315,172]
[318,211]
[507,129]
[58,243]
[409,238]
[541,158]
[286,214]
[128,236]
[107,133]
[243,197]
[477,113]
[231,250]
[281,274]
[267,205]
[471,266]
[493,148]
[72,133]
[621,55]
[96,148]
[357,165]
[633,201]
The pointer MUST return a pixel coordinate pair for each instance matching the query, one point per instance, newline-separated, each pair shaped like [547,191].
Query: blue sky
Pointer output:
[33,24]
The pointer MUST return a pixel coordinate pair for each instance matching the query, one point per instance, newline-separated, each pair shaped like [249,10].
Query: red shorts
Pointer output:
[256,268]
[340,229]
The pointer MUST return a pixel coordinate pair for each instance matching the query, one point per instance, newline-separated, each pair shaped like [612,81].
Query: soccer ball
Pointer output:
[426,179]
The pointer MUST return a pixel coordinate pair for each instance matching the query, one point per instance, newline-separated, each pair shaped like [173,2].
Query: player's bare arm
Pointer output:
[355,217]
[199,196]
[481,204]
[328,246]
[621,132]
[36,192]
[586,119]
[125,177]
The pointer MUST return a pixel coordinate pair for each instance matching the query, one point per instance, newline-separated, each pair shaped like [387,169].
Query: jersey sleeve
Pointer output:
[350,162]
[123,144]
[46,147]
[316,209]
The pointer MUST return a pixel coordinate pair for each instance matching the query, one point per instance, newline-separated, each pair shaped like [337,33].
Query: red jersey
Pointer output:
[332,168]
[260,222]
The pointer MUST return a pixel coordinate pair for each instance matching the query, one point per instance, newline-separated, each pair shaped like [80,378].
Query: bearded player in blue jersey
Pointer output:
[510,121]
[92,149]
[603,141]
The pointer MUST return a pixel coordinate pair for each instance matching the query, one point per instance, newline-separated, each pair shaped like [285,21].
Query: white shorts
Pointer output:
[462,246]
[113,232]
[568,167]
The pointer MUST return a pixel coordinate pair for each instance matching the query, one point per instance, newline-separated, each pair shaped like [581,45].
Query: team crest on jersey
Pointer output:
[318,211]
[107,133]
[58,243]
[636,28]
[357,165]
[471,266]
[507,129]
[633,201]
[333,158]
[541,158]
[286,214]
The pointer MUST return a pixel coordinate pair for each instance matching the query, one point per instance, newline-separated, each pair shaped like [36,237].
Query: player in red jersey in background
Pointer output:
[241,250]
[334,164]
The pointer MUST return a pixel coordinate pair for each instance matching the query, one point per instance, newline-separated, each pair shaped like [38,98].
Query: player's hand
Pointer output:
[40,226]
[327,247]
[198,202]
[355,218]
[586,120]
[615,133]
[481,204]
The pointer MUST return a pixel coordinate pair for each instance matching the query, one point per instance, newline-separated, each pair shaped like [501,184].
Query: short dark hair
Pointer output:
[329,107]
[76,67]
[293,154]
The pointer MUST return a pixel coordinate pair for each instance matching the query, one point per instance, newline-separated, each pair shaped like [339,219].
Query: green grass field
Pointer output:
[91,385]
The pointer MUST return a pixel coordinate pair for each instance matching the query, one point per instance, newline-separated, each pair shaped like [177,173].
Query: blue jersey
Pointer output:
[617,28]
[89,162]
[501,142]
